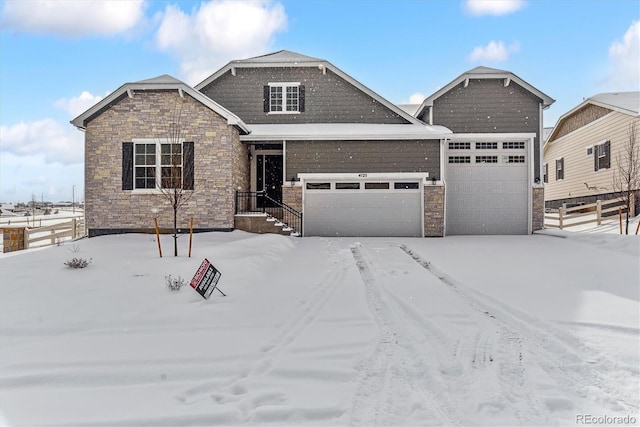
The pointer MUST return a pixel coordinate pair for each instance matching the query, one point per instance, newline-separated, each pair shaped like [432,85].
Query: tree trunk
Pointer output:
[175,231]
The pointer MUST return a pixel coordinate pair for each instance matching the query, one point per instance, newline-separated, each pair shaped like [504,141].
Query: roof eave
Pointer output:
[428,102]
[232,119]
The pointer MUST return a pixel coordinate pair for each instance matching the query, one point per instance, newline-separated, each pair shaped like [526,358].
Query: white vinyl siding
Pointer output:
[579,167]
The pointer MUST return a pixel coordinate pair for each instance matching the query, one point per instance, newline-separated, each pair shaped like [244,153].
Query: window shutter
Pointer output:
[607,159]
[187,165]
[265,100]
[127,165]
[301,98]
[596,149]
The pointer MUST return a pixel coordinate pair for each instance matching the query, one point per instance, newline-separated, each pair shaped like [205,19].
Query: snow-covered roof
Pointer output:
[622,102]
[163,82]
[343,131]
[625,102]
[485,73]
[409,108]
[276,57]
[285,58]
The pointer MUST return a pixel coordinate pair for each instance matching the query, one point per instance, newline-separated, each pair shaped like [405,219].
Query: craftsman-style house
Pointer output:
[290,133]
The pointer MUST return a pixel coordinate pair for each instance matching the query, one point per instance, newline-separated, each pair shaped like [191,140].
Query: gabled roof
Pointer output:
[622,102]
[285,58]
[163,82]
[484,73]
[278,57]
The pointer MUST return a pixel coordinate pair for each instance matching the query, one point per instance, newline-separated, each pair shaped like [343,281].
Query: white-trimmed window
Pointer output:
[152,164]
[602,156]
[545,172]
[284,98]
[560,169]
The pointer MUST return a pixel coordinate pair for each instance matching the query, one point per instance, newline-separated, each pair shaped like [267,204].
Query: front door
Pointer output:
[269,175]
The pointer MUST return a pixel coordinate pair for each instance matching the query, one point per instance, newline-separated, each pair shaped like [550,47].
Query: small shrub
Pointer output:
[78,263]
[174,284]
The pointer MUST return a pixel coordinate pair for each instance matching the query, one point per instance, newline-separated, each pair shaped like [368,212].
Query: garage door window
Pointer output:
[486,159]
[459,159]
[486,145]
[513,159]
[513,145]
[376,185]
[459,146]
[318,186]
[347,185]
[406,185]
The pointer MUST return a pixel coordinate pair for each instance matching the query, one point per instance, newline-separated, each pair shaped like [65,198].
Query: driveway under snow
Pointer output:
[513,330]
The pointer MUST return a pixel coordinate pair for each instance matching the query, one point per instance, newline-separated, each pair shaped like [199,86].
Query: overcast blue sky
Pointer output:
[58,58]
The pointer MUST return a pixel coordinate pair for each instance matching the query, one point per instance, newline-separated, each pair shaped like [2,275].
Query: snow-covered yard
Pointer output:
[513,330]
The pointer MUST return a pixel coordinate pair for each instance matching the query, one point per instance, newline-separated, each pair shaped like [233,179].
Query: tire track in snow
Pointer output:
[573,372]
[392,376]
[291,329]
[494,355]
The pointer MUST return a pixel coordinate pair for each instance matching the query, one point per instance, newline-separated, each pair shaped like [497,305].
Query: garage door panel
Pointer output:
[487,198]
[362,213]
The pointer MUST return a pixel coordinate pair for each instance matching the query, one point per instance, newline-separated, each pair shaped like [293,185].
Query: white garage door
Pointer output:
[374,207]
[487,188]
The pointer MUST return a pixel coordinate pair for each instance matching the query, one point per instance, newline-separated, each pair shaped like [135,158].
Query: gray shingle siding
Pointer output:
[487,106]
[362,156]
[328,98]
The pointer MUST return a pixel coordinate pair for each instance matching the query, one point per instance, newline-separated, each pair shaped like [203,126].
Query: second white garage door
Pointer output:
[374,206]
[487,188]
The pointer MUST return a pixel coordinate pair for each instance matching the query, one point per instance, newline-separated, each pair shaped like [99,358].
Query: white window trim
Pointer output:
[158,143]
[284,86]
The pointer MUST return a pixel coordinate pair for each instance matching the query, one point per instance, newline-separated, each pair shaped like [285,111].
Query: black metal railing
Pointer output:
[260,202]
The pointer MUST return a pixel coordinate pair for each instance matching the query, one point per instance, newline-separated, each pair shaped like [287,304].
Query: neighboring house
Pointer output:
[311,136]
[580,155]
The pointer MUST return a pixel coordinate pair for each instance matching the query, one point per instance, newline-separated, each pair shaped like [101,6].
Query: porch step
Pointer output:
[260,223]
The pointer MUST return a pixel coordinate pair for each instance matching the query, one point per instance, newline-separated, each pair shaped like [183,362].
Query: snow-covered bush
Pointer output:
[78,263]
[174,284]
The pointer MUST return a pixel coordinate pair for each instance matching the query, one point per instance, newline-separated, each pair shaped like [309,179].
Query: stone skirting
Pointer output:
[13,239]
[258,223]
[292,196]
[434,210]
[537,209]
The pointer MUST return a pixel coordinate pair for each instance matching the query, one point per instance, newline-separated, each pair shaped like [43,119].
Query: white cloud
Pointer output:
[217,32]
[493,7]
[79,104]
[43,138]
[416,98]
[625,60]
[72,18]
[495,51]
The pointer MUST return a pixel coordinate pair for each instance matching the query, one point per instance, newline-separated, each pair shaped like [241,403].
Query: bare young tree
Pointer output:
[176,175]
[626,176]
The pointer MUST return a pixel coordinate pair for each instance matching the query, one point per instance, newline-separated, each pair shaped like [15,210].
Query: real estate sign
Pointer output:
[206,279]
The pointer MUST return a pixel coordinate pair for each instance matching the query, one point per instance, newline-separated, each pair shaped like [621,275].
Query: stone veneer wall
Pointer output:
[292,196]
[13,239]
[434,210]
[221,164]
[537,214]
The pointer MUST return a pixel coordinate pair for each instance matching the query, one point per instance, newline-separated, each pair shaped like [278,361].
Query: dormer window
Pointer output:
[284,98]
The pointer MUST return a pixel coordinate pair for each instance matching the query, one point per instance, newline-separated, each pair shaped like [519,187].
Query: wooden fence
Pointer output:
[55,233]
[15,238]
[566,217]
